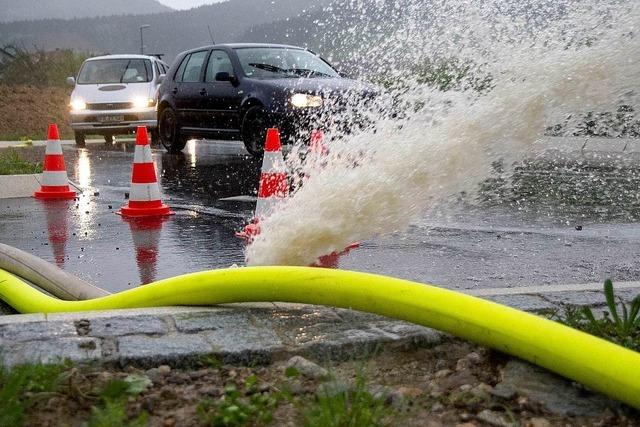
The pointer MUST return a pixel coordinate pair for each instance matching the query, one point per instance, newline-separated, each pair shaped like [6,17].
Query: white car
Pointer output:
[114,94]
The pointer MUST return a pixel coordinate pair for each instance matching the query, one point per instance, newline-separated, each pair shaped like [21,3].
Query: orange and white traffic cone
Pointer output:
[55,182]
[274,186]
[144,197]
[317,153]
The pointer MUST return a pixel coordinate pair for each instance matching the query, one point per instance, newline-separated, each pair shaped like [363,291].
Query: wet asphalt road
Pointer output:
[463,247]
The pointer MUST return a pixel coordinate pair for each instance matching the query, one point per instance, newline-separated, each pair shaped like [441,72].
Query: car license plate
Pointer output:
[112,118]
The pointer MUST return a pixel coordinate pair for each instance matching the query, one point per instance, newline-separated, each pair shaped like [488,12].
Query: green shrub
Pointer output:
[12,164]
[40,68]
[619,325]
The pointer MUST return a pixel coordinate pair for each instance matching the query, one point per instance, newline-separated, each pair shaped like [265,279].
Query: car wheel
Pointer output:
[80,139]
[169,131]
[108,139]
[155,138]
[255,123]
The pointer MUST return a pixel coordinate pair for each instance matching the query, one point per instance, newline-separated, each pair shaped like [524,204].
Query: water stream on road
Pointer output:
[546,60]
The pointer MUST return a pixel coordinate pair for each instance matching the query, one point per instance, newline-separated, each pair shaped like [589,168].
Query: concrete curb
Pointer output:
[238,333]
[19,186]
[16,186]
[181,336]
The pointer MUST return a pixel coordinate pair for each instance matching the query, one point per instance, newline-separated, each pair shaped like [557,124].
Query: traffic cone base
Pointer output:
[52,193]
[331,260]
[148,210]
[250,231]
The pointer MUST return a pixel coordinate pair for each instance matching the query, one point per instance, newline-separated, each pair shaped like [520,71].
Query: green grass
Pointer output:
[113,413]
[12,164]
[620,323]
[112,409]
[21,386]
[24,385]
[354,407]
[246,406]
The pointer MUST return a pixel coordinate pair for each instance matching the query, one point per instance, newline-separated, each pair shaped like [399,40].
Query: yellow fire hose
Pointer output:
[598,364]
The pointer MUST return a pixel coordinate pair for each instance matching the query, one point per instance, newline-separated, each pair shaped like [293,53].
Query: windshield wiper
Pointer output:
[268,67]
[124,71]
[289,71]
[301,71]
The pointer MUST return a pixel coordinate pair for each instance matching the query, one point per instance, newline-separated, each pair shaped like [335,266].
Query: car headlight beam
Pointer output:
[78,105]
[305,100]
[143,102]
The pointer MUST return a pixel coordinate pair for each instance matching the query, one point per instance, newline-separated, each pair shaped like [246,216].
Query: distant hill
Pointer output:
[28,10]
[170,32]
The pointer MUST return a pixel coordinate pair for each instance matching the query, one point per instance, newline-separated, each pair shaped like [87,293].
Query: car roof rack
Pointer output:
[157,55]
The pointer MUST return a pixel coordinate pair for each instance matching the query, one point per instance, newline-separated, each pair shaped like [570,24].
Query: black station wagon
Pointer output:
[238,91]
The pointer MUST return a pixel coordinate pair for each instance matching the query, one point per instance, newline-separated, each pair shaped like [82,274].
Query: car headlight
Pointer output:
[304,100]
[78,105]
[143,102]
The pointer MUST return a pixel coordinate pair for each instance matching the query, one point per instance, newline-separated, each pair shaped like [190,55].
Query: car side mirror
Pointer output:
[71,81]
[161,78]
[223,76]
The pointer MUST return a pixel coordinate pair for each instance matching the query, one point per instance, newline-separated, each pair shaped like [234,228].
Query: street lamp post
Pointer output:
[142,27]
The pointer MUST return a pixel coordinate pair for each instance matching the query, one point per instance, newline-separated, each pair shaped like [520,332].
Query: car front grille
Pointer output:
[109,106]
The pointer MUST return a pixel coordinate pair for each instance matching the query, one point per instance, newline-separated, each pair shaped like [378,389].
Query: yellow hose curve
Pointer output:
[594,362]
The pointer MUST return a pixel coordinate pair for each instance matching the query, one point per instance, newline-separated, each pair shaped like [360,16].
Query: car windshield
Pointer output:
[273,62]
[122,70]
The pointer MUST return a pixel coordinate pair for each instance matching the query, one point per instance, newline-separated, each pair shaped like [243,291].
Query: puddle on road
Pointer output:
[87,238]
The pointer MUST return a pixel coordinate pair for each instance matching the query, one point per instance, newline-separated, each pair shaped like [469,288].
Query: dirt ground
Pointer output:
[449,385]
[25,111]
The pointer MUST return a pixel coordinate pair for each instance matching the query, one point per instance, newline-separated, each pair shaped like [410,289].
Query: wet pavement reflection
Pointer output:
[464,247]
[56,213]
[87,238]
[145,234]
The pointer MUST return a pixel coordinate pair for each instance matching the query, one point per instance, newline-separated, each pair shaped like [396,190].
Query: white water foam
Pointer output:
[584,59]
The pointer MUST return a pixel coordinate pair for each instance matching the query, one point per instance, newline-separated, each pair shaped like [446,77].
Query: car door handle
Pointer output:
[175,90]
[203,92]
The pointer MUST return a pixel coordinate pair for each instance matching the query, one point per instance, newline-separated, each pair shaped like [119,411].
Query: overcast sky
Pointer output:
[187,4]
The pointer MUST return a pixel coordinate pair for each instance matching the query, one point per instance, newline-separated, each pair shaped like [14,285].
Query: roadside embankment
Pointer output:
[25,111]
